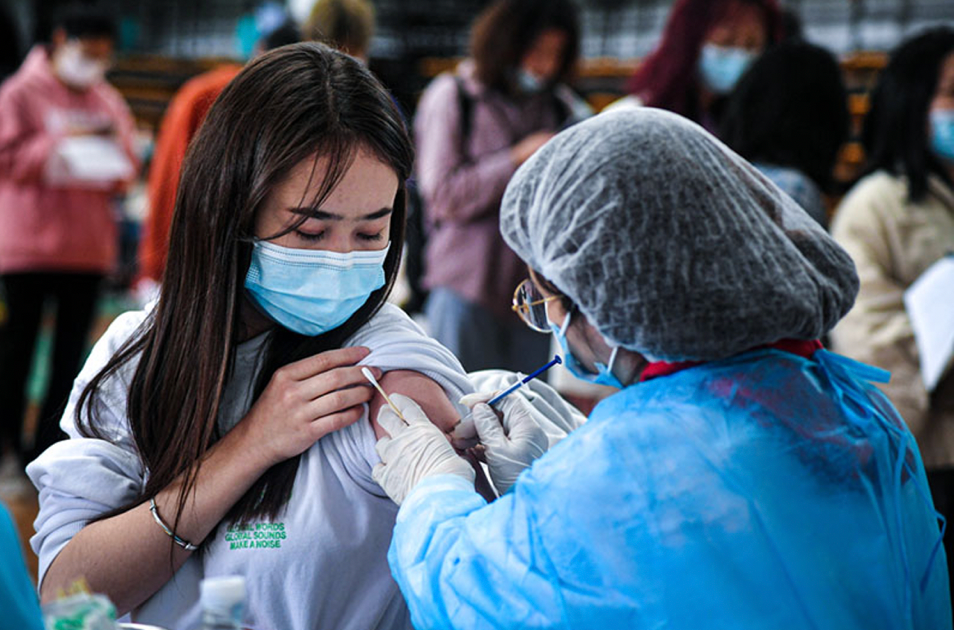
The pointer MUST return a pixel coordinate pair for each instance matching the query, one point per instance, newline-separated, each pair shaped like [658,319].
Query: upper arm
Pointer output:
[878,330]
[861,227]
[14,119]
[25,144]
[423,390]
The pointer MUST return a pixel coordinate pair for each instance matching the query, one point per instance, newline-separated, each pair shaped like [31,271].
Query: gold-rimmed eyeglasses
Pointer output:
[531,306]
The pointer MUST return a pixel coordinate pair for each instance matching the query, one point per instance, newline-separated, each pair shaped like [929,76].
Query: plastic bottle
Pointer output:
[223,603]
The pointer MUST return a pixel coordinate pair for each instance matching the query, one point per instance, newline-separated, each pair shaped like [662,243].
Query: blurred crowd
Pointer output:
[69,156]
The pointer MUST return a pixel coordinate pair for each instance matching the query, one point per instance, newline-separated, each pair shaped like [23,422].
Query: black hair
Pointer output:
[287,33]
[84,23]
[895,134]
[791,25]
[789,109]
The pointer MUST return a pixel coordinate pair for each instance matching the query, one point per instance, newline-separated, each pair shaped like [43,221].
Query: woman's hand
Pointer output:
[306,400]
[522,151]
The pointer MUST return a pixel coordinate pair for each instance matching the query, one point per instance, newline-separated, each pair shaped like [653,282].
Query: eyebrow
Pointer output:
[324,215]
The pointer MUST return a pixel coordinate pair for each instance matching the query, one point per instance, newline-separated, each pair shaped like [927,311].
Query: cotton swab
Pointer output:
[368,375]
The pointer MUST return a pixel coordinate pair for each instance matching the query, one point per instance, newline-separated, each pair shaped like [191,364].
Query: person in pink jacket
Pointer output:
[65,152]
[473,128]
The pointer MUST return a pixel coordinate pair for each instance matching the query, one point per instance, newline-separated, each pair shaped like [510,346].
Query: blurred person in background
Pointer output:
[474,127]
[896,222]
[66,149]
[347,25]
[789,117]
[706,47]
[183,117]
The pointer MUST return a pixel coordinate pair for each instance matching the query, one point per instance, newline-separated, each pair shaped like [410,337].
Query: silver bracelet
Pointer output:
[185,544]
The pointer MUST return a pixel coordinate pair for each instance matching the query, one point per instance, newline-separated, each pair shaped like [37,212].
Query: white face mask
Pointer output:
[76,69]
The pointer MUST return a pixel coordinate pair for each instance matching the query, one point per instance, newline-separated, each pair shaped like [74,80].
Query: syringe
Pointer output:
[464,434]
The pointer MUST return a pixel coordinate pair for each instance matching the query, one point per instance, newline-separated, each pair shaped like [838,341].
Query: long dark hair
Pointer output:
[790,109]
[667,78]
[504,32]
[895,131]
[285,107]
[82,22]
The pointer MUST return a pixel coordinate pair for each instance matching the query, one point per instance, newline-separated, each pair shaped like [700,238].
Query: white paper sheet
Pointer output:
[930,305]
[96,161]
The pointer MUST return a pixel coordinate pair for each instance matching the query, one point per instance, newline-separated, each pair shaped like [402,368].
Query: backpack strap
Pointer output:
[562,110]
[465,104]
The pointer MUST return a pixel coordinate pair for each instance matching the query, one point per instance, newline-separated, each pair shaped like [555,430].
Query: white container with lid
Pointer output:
[223,601]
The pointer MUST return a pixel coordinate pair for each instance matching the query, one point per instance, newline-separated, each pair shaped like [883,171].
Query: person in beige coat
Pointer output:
[893,240]
[895,223]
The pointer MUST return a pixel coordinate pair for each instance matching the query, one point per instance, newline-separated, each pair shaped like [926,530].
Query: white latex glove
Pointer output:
[414,450]
[464,435]
[469,400]
[510,447]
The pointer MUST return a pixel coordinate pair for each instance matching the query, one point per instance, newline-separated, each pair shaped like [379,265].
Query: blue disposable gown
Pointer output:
[764,491]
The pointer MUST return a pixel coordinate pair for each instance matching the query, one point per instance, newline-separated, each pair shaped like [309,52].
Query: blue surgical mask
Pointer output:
[312,291]
[721,67]
[529,83]
[605,375]
[942,133]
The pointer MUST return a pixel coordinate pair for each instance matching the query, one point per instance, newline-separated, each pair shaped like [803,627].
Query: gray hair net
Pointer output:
[671,244]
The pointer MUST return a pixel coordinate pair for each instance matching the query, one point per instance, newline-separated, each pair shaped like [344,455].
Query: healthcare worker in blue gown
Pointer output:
[743,477]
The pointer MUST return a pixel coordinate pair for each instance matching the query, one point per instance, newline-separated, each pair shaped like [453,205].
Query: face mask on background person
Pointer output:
[528,82]
[77,70]
[721,67]
[942,133]
[605,374]
[312,291]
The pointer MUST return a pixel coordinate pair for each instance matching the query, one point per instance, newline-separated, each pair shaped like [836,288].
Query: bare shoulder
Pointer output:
[423,390]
